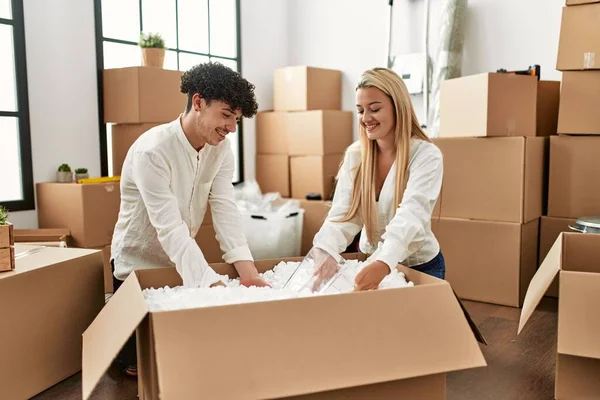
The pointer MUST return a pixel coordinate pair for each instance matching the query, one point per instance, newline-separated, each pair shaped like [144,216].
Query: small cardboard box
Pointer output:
[46,304]
[493,179]
[489,104]
[319,132]
[89,211]
[573,189]
[550,228]
[123,136]
[406,356]
[315,212]
[548,99]
[7,252]
[302,88]
[271,132]
[44,237]
[575,258]
[579,40]
[135,95]
[273,173]
[314,174]
[580,96]
[486,261]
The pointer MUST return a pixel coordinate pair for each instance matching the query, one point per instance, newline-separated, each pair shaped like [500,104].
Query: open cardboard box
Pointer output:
[575,257]
[387,343]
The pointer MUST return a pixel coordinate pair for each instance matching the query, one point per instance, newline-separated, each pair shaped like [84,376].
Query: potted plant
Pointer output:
[64,174]
[153,50]
[81,173]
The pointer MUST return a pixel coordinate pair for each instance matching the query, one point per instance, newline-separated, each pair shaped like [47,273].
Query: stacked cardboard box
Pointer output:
[495,153]
[137,99]
[574,171]
[300,144]
[7,251]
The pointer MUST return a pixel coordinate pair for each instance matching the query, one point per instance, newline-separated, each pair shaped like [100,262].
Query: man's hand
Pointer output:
[218,283]
[249,274]
[371,276]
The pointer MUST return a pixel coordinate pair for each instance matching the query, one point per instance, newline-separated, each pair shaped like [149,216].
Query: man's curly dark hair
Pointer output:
[214,81]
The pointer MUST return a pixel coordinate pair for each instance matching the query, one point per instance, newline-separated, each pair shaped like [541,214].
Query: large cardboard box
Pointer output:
[136,95]
[548,98]
[489,104]
[575,2]
[314,174]
[579,41]
[123,136]
[491,262]
[273,173]
[319,132]
[46,304]
[575,258]
[302,88]
[550,228]
[315,212]
[314,343]
[207,241]
[493,179]
[573,189]
[271,132]
[580,96]
[89,211]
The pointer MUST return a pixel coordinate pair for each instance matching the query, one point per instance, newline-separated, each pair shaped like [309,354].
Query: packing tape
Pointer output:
[589,60]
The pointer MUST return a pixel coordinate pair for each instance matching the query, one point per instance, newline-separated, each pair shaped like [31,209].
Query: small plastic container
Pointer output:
[304,277]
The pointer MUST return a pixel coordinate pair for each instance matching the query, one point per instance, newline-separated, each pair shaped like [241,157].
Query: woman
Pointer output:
[387,187]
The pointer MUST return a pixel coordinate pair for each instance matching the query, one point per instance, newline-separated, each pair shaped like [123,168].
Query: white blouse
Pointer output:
[407,237]
[165,187]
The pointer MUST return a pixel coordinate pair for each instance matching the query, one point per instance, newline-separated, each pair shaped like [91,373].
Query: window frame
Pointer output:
[100,39]
[17,22]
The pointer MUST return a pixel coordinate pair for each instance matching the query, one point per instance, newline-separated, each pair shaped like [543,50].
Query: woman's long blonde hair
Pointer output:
[407,126]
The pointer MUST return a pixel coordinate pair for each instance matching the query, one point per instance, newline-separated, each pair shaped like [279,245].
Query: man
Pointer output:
[169,175]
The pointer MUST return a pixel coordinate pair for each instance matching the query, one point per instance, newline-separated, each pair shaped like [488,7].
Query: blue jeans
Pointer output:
[435,267]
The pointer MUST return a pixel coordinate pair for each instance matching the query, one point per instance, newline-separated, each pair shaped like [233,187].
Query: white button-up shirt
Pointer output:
[165,187]
[405,231]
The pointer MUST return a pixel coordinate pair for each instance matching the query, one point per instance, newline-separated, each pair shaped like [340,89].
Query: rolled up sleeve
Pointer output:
[152,177]
[405,234]
[226,216]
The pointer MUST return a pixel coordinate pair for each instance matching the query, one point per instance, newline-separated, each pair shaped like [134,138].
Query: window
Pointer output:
[195,31]
[16,176]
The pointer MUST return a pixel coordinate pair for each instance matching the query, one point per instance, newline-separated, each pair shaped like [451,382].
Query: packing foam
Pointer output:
[177,298]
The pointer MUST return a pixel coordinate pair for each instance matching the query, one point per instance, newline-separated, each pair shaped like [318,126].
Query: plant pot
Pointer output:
[153,57]
[81,176]
[64,177]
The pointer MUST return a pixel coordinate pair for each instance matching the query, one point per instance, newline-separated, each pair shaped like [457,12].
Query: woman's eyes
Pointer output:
[373,111]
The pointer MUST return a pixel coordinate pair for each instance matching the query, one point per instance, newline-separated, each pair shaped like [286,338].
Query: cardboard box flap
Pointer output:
[579,319]
[476,332]
[301,340]
[105,337]
[541,281]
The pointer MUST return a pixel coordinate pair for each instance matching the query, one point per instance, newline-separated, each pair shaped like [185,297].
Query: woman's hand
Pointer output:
[371,276]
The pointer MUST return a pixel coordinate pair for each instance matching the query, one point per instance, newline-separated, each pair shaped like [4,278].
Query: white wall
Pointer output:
[63,97]
[351,35]
[264,48]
